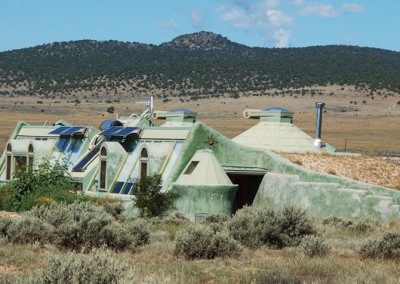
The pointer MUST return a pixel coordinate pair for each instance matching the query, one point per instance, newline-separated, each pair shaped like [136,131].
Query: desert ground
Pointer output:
[352,122]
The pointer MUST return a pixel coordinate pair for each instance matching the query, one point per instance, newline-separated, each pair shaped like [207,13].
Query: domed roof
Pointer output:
[181,110]
[276,109]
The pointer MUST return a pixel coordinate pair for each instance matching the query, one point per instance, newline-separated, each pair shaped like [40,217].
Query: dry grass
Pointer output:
[156,263]
[376,170]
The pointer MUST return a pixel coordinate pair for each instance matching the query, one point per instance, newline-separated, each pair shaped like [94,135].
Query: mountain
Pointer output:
[199,64]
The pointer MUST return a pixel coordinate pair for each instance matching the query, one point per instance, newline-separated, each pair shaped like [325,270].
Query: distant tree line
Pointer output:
[191,63]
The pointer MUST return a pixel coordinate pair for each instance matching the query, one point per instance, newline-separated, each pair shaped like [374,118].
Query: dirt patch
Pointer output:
[9,214]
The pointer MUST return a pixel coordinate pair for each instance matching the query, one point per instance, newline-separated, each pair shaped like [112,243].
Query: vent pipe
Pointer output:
[318,142]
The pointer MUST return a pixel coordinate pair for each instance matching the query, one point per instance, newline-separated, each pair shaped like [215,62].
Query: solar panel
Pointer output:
[72,130]
[59,130]
[117,187]
[85,161]
[111,130]
[127,188]
[126,131]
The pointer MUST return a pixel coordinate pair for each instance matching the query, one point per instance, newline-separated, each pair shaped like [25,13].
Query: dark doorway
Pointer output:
[248,187]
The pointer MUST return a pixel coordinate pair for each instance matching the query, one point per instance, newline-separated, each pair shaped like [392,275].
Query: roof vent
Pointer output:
[318,142]
[272,114]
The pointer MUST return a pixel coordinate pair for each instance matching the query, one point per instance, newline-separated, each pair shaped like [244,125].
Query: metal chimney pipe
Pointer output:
[318,142]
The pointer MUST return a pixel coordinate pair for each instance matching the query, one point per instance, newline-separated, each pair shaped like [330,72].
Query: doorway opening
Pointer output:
[247,188]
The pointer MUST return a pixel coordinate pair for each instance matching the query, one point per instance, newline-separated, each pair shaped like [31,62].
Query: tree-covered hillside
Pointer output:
[197,64]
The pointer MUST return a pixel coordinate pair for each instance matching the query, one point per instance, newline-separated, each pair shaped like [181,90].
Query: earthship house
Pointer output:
[212,173]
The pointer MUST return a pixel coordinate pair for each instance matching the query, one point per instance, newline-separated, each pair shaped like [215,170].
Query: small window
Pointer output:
[143,163]
[103,152]
[8,170]
[191,167]
[8,162]
[30,155]
[20,164]
[103,171]
[144,153]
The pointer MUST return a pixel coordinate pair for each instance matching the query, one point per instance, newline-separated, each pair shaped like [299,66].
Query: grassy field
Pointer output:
[157,263]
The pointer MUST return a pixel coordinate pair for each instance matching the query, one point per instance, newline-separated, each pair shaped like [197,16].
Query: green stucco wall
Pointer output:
[321,194]
[196,200]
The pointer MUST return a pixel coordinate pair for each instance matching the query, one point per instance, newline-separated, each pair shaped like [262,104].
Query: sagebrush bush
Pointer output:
[4,224]
[175,219]
[364,225]
[294,224]
[313,246]
[254,227]
[217,222]
[97,267]
[199,241]
[360,226]
[87,225]
[337,222]
[116,209]
[386,248]
[125,235]
[29,229]
[82,226]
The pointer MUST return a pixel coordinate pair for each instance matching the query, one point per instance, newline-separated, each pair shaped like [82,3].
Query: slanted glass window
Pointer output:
[143,163]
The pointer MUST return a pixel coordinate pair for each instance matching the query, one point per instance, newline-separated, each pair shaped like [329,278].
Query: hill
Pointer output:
[197,65]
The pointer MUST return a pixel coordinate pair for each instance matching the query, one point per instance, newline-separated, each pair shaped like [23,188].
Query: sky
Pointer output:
[261,23]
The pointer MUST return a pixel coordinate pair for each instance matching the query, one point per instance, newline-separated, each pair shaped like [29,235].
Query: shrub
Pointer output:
[254,227]
[364,225]
[35,182]
[81,229]
[97,267]
[294,224]
[77,225]
[116,209]
[150,201]
[386,248]
[4,224]
[29,229]
[87,225]
[200,241]
[337,222]
[125,235]
[313,246]
[217,222]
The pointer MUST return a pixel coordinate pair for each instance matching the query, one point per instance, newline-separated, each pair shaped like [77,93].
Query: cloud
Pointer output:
[353,8]
[320,9]
[298,2]
[281,37]
[263,17]
[197,18]
[278,18]
[171,24]
[238,18]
